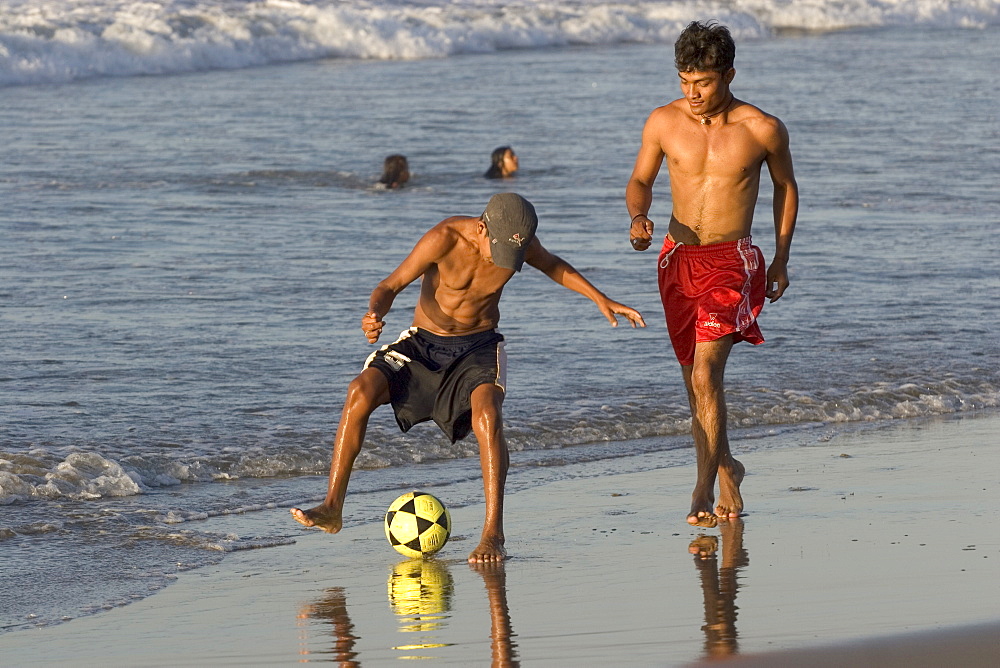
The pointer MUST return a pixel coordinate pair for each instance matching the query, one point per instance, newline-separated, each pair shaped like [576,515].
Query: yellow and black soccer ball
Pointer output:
[417,524]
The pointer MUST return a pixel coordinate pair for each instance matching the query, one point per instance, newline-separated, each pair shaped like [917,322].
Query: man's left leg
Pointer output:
[494,458]
[704,381]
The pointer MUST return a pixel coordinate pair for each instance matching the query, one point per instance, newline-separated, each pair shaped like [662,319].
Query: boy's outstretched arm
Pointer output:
[564,274]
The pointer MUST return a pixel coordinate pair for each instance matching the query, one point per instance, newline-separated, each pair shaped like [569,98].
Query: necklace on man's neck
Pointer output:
[706,119]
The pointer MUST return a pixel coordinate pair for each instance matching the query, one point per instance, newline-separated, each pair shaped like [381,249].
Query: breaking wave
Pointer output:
[53,41]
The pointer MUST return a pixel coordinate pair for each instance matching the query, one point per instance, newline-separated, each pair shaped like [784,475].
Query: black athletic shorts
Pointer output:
[431,377]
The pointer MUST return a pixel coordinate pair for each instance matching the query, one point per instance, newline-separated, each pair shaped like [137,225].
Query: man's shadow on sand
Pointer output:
[719,584]
[420,593]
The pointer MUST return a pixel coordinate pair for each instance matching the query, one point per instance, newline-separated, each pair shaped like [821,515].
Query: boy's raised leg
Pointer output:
[366,392]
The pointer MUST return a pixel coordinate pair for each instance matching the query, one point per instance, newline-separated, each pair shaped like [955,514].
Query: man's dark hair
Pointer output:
[704,47]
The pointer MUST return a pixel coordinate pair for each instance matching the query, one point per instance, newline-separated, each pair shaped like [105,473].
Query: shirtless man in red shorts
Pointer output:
[711,277]
[450,365]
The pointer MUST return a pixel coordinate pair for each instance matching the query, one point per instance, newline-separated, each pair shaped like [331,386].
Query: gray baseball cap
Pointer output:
[511,222]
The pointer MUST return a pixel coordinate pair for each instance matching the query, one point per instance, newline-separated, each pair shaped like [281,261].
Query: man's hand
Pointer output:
[611,309]
[777,279]
[640,233]
[371,325]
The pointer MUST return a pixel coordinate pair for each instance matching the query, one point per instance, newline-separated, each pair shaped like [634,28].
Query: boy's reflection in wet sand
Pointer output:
[719,585]
[333,608]
[502,645]
[420,593]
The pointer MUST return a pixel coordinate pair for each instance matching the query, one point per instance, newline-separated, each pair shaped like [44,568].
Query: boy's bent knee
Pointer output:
[368,389]
[487,408]
[487,397]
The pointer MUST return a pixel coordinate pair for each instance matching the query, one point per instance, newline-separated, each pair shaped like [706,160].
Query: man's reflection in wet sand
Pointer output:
[333,608]
[502,645]
[719,585]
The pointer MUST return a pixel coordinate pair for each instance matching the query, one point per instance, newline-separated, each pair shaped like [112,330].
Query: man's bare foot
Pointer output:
[490,550]
[326,518]
[730,502]
[702,518]
[702,500]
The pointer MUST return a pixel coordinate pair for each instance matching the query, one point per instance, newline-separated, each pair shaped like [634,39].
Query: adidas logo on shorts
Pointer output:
[395,360]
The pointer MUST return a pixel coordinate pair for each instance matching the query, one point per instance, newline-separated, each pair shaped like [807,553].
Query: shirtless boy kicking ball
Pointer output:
[711,277]
[450,366]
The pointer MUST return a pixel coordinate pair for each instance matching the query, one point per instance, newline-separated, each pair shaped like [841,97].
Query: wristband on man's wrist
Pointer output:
[637,215]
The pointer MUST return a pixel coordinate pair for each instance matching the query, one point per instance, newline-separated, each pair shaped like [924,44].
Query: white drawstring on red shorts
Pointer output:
[666,258]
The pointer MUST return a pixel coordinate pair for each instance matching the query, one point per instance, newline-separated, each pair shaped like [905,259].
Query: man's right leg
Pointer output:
[368,391]
[704,381]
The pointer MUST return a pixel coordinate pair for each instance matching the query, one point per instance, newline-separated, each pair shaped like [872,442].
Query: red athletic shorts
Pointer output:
[711,291]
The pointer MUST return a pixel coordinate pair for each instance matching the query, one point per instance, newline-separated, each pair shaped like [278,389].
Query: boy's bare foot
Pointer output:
[490,550]
[730,502]
[326,518]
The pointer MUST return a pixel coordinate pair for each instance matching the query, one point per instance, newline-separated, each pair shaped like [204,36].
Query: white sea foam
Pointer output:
[45,475]
[88,476]
[56,41]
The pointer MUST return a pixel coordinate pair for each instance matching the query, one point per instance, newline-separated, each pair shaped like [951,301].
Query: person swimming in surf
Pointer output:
[503,163]
[395,172]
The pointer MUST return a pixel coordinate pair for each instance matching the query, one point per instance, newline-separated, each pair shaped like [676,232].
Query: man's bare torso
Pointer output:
[714,170]
[460,292]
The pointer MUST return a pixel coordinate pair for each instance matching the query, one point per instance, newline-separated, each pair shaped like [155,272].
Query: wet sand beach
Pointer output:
[879,547]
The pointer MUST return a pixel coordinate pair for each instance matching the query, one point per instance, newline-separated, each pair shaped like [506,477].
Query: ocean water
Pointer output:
[191,233]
